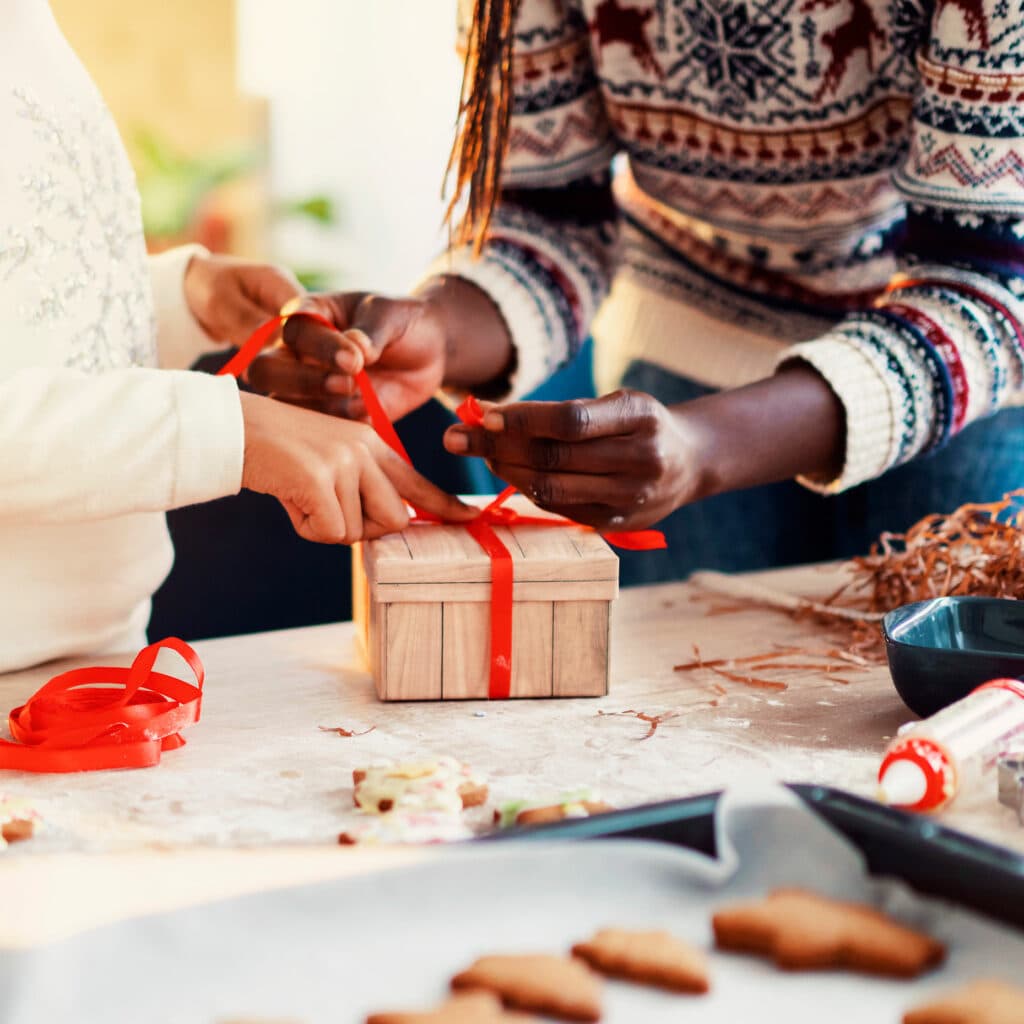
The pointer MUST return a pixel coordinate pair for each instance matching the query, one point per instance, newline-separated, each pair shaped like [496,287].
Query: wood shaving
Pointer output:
[347,733]
[653,721]
[739,670]
[975,551]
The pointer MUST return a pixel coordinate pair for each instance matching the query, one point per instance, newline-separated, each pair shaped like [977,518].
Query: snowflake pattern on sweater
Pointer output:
[851,166]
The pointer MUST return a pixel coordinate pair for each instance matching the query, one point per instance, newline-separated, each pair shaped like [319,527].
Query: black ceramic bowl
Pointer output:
[941,650]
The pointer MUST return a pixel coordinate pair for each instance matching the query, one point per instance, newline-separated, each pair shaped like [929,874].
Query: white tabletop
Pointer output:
[259,773]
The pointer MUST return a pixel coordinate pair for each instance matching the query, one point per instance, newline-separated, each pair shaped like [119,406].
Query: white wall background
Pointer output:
[363,99]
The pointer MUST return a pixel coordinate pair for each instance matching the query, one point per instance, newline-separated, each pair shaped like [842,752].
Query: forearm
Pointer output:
[479,355]
[75,447]
[788,425]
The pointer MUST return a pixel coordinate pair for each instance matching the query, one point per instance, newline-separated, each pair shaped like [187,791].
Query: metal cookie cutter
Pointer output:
[1011,783]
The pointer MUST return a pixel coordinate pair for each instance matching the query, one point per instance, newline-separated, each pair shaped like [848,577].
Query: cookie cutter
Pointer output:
[1011,783]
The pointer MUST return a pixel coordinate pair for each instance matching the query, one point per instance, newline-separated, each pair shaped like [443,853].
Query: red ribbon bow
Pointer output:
[480,528]
[90,719]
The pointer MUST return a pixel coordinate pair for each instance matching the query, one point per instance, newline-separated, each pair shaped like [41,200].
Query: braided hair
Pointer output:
[485,113]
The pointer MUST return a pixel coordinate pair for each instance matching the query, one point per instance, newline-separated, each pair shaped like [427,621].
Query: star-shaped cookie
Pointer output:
[802,931]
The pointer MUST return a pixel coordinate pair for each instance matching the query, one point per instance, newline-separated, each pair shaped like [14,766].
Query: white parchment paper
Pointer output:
[393,938]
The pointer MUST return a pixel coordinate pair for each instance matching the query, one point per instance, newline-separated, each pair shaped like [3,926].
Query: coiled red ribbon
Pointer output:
[481,528]
[90,719]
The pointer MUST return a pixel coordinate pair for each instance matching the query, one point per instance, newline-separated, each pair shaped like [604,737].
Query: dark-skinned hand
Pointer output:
[621,462]
[400,342]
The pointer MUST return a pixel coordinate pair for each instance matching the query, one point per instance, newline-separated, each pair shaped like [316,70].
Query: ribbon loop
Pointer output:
[90,719]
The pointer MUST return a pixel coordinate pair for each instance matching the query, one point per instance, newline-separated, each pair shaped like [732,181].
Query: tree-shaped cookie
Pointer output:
[552,985]
[650,958]
[462,1008]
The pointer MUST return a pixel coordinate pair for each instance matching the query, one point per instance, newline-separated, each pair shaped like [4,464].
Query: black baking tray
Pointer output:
[932,859]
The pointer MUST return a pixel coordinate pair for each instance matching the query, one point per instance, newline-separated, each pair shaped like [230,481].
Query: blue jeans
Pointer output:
[785,524]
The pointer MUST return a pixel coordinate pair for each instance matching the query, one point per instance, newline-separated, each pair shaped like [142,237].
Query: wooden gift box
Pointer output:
[421,601]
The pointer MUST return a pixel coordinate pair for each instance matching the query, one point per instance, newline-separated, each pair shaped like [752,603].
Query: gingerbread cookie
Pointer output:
[462,1008]
[650,958]
[581,804]
[982,1002]
[551,985]
[802,931]
[441,785]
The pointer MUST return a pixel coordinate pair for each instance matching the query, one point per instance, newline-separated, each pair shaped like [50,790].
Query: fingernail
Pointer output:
[494,421]
[456,442]
[337,384]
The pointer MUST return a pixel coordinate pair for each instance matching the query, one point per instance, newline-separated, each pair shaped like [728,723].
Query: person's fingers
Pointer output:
[382,504]
[348,489]
[238,317]
[382,320]
[271,288]
[420,492]
[321,520]
[623,412]
[278,372]
[325,346]
[372,530]
[601,517]
[604,455]
[563,489]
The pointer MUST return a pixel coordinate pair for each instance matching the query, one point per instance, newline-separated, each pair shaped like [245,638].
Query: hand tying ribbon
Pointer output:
[481,528]
[79,722]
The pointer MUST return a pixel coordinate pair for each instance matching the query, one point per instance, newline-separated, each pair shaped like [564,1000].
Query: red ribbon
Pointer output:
[481,529]
[90,719]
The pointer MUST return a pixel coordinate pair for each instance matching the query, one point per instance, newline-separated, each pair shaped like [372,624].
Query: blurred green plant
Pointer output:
[173,188]
[317,208]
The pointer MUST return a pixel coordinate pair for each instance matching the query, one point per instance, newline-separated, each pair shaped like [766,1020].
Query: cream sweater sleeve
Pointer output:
[179,338]
[76,446]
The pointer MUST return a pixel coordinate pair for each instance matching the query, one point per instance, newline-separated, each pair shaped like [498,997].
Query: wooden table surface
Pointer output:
[259,773]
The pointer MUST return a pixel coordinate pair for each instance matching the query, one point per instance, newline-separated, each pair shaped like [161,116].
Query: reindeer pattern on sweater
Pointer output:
[781,165]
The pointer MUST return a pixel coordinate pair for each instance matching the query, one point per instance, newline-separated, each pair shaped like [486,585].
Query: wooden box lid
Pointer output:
[444,563]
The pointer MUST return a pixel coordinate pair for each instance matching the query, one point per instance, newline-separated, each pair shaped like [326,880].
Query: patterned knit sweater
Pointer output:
[839,181]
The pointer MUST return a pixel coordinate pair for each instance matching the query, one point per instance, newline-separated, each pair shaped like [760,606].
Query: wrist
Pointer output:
[192,286]
[788,425]
[478,351]
[254,409]
[697,442]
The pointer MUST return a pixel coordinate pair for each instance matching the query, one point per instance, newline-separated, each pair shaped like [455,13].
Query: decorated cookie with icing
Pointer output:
[579,804]
[441,785]
[406,828]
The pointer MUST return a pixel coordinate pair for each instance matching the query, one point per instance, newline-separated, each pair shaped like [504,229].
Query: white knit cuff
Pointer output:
[867,403]
[211,438]
[521,307]
[180,338]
